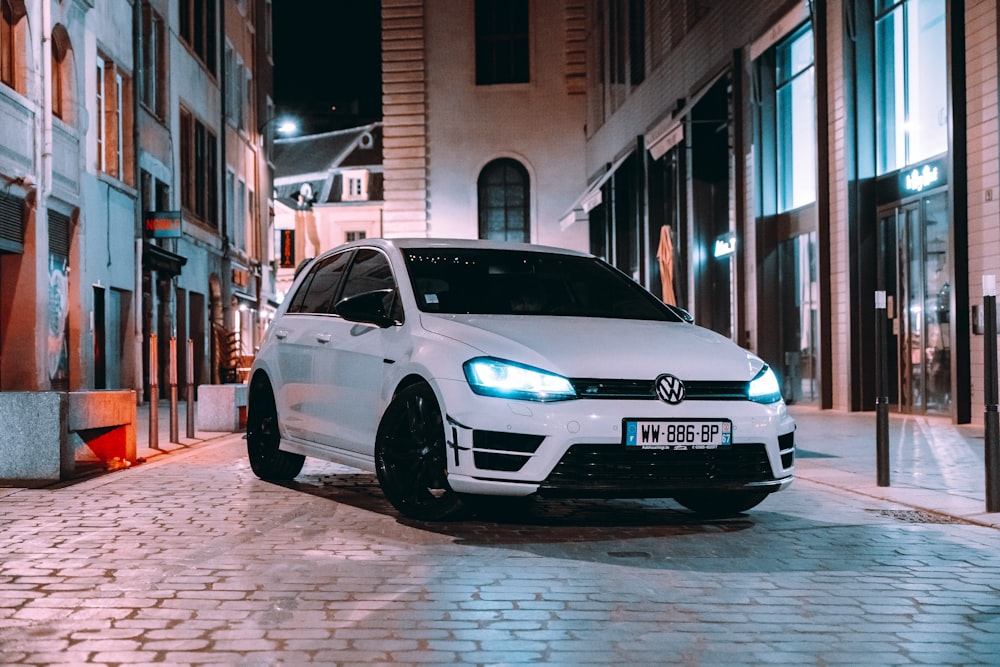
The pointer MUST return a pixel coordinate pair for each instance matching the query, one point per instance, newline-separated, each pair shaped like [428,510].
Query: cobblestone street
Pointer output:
[190,559]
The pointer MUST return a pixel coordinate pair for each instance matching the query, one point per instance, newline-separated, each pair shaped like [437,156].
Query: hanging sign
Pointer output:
[163,224]
[287,248]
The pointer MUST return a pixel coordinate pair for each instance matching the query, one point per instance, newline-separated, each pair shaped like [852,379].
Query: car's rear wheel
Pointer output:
[717,504]
[266,460]
[410,457]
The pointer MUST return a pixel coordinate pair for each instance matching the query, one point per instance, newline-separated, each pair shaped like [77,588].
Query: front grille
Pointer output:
[711,390]
[593,388]
[617,470]
[695,390]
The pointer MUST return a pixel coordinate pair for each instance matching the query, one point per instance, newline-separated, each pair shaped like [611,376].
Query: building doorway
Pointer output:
[915,269]
[713,275]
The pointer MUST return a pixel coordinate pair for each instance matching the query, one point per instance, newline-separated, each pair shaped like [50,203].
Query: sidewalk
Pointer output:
[144,445]
[934,465]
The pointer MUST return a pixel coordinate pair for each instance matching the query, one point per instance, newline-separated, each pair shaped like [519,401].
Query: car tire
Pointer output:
[720,504]
[266,460]
[411,457]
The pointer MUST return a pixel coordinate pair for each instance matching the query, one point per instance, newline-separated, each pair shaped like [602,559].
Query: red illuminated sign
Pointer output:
[163,224]
[287,248]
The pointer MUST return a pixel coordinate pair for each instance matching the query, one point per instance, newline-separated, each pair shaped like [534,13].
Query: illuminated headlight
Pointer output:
[764,387]
[505,379]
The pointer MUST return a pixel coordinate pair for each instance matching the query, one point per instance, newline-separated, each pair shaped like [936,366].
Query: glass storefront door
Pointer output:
[798,282]
[915,272]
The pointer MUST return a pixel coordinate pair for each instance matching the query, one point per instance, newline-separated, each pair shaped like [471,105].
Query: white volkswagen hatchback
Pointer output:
[456,370]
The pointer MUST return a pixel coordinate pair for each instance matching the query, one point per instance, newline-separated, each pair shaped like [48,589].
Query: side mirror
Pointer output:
[367,307]
[682,313]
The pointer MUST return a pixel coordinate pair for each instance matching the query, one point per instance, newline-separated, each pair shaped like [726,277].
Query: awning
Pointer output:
[161,260]
[592,196]
[663,137]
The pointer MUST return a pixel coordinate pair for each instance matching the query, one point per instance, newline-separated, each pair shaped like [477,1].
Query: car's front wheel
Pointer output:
[410,457]
[266,460]
[718,504]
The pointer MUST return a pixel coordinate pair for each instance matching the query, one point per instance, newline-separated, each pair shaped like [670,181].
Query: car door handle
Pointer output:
[322,338]
[281,334]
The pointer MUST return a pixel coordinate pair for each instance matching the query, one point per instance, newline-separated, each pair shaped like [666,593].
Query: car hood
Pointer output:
[600,348]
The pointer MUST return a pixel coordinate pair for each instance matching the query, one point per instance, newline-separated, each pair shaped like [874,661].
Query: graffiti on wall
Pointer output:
[58,312]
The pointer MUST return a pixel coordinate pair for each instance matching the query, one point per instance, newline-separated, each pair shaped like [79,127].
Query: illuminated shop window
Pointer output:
[911,87]
[796,120]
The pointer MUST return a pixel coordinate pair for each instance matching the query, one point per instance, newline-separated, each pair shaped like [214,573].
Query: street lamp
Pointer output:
[286,126]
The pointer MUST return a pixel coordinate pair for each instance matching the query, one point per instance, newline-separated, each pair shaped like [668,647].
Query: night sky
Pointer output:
[326,53]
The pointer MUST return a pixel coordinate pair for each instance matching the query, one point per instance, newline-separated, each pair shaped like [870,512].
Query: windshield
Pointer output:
[517,282]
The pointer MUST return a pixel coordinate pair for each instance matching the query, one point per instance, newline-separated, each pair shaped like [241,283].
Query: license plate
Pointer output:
[678,434]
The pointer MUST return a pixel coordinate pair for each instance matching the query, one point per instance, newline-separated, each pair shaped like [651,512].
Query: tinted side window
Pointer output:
[369,272]
[318,290]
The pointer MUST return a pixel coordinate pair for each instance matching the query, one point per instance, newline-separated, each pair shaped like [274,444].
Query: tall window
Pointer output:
[268,27]
[228,63]
[62,104]
[154,62]
[911,82]
[230,217]
[237,88]
[198,30]
[101,120]
[199,170]
[503,201]
[240,228]
[627,41]
[11,42]
[502,42]
[796,120]
[114,121]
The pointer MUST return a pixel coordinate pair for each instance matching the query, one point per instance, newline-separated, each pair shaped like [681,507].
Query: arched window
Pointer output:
[503,201]
[11,41]
[61,74]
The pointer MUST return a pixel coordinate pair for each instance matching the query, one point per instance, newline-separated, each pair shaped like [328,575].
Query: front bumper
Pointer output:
[575,448]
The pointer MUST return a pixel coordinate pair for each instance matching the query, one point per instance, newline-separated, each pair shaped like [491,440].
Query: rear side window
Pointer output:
[318,290]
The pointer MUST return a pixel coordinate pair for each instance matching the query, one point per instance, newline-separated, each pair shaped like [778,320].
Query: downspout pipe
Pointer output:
[226,279]
[45,63]
[137,168]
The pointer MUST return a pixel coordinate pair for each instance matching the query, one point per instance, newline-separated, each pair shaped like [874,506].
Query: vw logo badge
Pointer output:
[670,389]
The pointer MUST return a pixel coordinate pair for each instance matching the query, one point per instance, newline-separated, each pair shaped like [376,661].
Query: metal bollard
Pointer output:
[190,388]
[881,394]
[991,418]
[174,437]
[154,395]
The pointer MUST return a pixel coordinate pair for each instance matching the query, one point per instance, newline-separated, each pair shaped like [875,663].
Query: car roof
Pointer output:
[446,243]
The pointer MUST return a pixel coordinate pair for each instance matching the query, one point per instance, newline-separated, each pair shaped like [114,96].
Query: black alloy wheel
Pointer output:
[411,459]
[266,460]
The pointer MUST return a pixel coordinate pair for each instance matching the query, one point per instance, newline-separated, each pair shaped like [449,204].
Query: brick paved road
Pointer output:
[192,560]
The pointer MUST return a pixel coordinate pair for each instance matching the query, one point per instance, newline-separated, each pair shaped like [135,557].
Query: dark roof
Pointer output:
[320,153]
